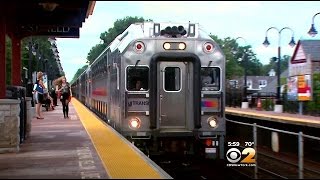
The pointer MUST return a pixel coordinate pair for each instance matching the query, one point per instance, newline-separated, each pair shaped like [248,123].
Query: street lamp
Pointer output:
[244,103]
[266,43]
[45,61]
[39,59]
[32,50]
[313,32]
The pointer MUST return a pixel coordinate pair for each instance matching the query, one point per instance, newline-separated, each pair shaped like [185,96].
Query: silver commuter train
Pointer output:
[161,85]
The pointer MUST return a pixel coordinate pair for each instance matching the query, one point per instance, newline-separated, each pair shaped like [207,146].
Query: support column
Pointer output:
[2,57]
[9,125]
[16,61]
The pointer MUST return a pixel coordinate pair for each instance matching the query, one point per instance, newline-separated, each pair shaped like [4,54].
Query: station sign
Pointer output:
[56,31]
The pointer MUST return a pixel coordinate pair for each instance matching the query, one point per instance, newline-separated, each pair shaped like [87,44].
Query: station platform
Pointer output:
[80,147]
[296,119]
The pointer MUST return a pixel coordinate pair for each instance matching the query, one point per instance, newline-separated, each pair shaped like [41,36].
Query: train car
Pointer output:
[161,85]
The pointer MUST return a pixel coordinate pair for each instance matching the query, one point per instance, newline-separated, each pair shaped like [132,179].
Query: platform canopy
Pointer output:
[58,18]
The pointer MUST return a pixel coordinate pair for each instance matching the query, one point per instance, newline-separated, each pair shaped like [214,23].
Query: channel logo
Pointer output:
[238,157]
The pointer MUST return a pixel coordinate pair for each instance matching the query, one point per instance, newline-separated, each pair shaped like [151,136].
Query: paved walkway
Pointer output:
[298,119]
[57,148]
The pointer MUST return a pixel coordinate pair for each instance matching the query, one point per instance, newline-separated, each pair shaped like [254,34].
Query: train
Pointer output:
[161,86]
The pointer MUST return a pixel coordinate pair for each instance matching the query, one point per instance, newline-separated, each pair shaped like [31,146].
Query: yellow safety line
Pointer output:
[120,161]
[275,117]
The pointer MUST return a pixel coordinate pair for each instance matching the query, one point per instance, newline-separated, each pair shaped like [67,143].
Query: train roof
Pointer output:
[147,30]
[143,30]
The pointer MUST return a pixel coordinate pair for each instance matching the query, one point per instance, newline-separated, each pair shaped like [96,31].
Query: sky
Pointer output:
[247,19]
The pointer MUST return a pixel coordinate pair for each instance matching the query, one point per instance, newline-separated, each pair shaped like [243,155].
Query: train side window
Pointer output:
[210,78]
[172,78]
[137,78]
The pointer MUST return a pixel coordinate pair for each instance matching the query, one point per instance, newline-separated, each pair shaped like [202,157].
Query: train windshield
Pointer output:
[172,79]
[137,78]
[210,78]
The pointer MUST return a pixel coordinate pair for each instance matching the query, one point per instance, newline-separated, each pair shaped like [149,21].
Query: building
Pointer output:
[255,83]
[303,64]
[306,58]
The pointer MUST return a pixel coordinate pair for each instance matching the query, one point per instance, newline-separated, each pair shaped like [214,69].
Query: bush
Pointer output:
[267,104]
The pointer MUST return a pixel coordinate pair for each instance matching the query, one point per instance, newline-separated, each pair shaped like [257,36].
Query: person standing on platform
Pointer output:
[38,91]
[63,87]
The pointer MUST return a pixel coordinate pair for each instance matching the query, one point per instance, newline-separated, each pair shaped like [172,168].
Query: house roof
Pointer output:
[311,47]
[255,80]
[272,86]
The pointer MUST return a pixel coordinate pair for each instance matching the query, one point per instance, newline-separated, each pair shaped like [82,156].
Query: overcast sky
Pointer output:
[247,19]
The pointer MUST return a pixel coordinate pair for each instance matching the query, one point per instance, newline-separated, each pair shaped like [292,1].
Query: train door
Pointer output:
[172,84]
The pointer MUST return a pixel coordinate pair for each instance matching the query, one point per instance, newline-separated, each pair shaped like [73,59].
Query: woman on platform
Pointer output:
[63,87]
[38,94]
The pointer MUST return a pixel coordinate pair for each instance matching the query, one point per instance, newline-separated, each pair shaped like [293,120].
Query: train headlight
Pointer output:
[208,47]
[166,46]
[134,123]
[212,122]
[182,46]
[174,46]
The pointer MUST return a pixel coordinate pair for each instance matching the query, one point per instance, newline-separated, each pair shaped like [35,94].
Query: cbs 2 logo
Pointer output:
[234,155]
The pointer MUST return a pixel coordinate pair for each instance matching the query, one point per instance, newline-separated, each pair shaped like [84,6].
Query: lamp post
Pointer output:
[29,81]
[45,61]
[244,103]
[32,48]
[313,32]
[266,43]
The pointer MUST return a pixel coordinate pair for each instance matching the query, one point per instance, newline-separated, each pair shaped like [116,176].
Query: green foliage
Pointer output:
[44,51]
[8,60]
[267,104]
[273,65]
[236,61]
[316,83]
[95,52]
[118,27]
[37,65]
[314,105]
[238,58]
[233,69]
[78,73]
[108,36]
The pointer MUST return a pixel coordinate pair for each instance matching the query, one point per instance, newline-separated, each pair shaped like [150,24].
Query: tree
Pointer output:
[78,73]
[44,51]
[273,65]
[95,52]
[8,60]
[314,105]
[235,62]
[118,27]
[108,36]
[37,65]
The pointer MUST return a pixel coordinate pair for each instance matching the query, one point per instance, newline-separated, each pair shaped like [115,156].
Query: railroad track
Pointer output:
[285,163]
[196,168]
[280,166]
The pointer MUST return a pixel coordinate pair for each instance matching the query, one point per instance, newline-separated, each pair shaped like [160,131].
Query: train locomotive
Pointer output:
[160,85]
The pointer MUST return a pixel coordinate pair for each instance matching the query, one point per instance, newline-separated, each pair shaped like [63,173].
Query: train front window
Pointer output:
[210,79]
[172,79]
[137,78]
